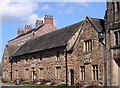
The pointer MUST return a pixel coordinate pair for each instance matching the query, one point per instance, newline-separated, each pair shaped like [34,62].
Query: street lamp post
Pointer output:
[66,68]
[11,69]
[102,36]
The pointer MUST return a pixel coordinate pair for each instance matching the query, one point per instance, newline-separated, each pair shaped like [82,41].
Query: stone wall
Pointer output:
[17,42]
[6,66]
[112,25]
[50,60]
[77,58]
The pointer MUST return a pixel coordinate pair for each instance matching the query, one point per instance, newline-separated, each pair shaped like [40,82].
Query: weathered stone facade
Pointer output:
[50,64]
[113,43]
[23,36]
[45,57]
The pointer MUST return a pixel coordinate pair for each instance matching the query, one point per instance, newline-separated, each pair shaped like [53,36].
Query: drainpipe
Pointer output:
[102,36]
[11,69]
[66,68]
[105,66]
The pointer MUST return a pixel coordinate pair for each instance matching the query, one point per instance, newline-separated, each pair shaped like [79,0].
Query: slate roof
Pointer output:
[56,38]
[51,40]
[11,49]
[97,23]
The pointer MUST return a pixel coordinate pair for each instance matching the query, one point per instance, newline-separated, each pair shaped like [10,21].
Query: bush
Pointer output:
[6,82]
[61,85]
[26,83]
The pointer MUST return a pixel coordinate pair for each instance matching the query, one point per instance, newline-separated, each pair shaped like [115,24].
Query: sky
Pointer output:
[15,15]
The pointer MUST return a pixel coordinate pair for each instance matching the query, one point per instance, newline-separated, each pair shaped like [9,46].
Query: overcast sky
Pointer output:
[15,15]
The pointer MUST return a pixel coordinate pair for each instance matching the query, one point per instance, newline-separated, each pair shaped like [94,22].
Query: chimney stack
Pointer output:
[20,31]
[49,19]
[38,23]
[27,28]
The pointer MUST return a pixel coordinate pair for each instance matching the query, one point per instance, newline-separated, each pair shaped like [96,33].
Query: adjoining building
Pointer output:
[43,55]
[23,35]
[112,23]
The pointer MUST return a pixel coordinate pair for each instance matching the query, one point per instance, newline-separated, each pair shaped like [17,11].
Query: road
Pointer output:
[3,85]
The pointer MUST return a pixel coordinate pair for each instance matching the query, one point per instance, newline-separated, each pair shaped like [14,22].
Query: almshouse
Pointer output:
[42,52]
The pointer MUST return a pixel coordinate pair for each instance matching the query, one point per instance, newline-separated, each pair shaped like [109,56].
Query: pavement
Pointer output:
[4,85]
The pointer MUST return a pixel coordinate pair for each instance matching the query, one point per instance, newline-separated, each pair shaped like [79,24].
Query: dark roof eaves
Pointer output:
[39,50]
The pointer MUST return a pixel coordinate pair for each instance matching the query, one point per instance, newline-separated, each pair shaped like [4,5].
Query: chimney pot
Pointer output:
[38,23]
[20,31]
[27,28]
[48,19]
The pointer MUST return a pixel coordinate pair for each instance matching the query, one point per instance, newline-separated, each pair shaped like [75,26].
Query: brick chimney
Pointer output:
[38,23]
[48,19]
[20,31]
[27,28]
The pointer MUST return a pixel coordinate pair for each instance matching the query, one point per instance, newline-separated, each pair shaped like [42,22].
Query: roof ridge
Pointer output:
[34,29]
[57,30]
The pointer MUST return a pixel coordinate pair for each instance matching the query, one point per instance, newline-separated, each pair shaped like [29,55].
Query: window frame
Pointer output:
[82,72]
[41,73]
[95,72]
[57,72]
[88,45]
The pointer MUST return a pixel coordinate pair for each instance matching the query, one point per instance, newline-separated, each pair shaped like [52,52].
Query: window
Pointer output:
[41,73]
[57,58]
[58,72]
[16,73]
[27,73]
[117,37]
[88,45]
[95,72]
[118,6]
[82,72]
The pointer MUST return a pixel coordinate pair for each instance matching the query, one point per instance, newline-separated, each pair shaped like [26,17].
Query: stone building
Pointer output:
[45,53]
[112,23]
[44,57]
[41,27]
